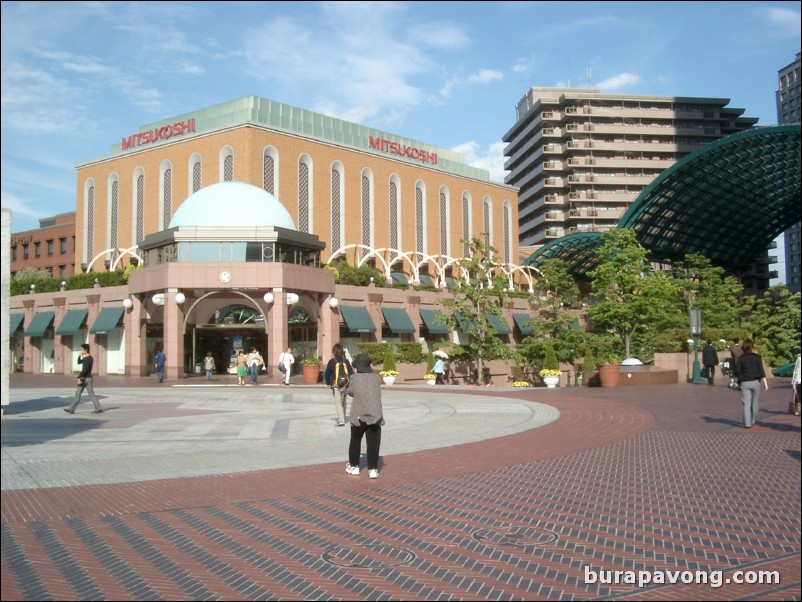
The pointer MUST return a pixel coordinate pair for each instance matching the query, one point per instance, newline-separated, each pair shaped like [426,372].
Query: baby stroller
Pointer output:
[728,370]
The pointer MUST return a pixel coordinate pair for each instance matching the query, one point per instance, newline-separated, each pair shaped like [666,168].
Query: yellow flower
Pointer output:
[430,376]
[547,372]
[520,383]
[388,373]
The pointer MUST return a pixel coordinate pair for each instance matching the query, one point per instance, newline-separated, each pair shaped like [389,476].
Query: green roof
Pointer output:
[107,320]
[71,322]
[357,319]
[40,323]
[398,320]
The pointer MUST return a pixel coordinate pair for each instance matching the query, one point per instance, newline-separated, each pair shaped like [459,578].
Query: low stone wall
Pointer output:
[641,376]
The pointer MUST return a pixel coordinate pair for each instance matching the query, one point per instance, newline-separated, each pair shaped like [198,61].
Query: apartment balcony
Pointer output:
[550,131]
[551,115]
[554,216]
[583,212]
[552,233]
[554,199]
[552,165]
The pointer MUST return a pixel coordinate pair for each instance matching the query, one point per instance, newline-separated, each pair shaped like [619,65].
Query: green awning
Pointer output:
[524,323]
[40,323]
[357,319]
[426,279]
[399,278]
[107,320]
[465,323]
[72,321]
[432,323]
[15,321]
[398,320]
[499,324]
[450,282]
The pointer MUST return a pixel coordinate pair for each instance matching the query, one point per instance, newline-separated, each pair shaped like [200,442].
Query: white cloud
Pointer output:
[492,159]
[485,76]
[785,19]
[616,82]
[18,206]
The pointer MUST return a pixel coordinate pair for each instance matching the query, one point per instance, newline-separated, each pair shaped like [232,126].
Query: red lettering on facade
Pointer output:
[388,146]
[179,128]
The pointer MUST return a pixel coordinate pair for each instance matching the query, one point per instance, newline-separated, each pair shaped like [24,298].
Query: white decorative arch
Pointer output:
[118,254]
[221,292]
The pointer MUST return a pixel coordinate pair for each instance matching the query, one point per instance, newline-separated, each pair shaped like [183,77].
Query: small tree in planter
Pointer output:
[589,368]
[388,366]
[551,367]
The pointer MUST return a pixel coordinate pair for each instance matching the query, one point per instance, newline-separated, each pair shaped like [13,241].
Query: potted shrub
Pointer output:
[389,372]
[311,369]
[551,368]
[589,368]
[609,370]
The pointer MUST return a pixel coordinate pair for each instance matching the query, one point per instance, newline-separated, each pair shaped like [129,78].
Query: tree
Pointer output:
[556,321]
[629,296]
[775,324]
[710,289]
[477,295]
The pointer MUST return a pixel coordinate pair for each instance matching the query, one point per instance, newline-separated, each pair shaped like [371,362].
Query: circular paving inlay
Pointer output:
[519,537]
[374,556]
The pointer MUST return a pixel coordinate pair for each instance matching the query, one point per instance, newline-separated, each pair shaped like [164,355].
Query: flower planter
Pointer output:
[311,374]
[608,375]
[551,381]
[388,380]
[431,381]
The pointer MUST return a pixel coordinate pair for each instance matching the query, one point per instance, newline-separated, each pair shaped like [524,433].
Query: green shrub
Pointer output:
[550,362]
[409,353]
[389,359]
[375,351]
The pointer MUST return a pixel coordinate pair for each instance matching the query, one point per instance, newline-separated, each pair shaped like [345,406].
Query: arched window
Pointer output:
[113,215]
[305,194]
[507,232]
[487,221]
[337,206]
[195,173]
[420,212]
[394,212]
[166,193]
[444,220]
[237,314]
[226,164]
[367,210]
[270,170]
[138,206]
[466,223]
[89,220]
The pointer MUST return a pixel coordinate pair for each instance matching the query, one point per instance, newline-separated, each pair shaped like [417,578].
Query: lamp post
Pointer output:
[696,330]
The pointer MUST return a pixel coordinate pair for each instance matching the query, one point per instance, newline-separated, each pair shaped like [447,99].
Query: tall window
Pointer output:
[443,223]
[367,197]
[195,173]
[166,194]
[89,218]
[305,194]
[507,233]
[466,223]
[113,212]
[139,206]
[270,170]
[486,225]
[226,164]
[336,206]
[419,218]
[393,211]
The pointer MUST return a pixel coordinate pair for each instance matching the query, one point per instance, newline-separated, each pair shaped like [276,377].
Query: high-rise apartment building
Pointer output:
[789,110]
[580,157]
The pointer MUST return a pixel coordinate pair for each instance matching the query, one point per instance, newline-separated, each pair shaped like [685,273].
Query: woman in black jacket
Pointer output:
[750,373]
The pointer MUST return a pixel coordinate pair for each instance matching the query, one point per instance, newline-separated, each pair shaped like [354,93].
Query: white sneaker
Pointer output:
[354,470]
[373,473]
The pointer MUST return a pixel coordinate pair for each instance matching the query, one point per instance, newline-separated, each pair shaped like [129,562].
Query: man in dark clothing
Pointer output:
[85,382]
[709,361]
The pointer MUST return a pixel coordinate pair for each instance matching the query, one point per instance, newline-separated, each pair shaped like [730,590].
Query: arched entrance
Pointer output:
[302,334]
[229,329]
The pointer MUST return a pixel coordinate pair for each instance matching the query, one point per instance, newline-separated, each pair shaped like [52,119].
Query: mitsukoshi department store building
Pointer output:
[232,210]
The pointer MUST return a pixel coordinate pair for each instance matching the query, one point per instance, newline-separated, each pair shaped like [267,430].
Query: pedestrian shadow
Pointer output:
[42,404]
[794,453]
[775,426]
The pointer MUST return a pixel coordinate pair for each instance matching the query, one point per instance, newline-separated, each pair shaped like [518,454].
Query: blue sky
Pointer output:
[79,76]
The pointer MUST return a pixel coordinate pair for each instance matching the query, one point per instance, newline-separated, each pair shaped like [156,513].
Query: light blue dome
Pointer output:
[232,204]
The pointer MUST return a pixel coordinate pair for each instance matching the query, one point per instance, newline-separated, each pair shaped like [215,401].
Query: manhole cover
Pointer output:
[368,557]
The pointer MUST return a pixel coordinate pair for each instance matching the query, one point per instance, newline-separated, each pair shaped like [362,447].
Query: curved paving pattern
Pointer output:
[511,504]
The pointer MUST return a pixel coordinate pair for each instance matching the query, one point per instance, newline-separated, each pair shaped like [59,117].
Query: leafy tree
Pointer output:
[32,274]
[775,324]
[478,294]
[347,274]
[710,289]
[555,320]
[630,297]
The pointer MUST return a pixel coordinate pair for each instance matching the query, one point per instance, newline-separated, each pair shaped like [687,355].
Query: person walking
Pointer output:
[208,365]
[735,351]
[255,363]
[439,371]
[751,373]
[338,377]
[242,367]
[709,361]
[85,382]
[159,359]
[367,416]
[286,359]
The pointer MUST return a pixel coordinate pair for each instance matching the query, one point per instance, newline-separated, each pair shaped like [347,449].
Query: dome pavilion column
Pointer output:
[277,332]
[136,327]
[173,336]
[328,325]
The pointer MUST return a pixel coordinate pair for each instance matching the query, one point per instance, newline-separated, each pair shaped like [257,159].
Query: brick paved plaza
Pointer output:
[187,491]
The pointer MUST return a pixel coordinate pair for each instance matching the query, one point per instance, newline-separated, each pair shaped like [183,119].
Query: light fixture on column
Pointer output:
[127,303]
[158,299]
[32,288]
[63,283]
[333,302]
[269,298]
[180,298]
[292,298]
